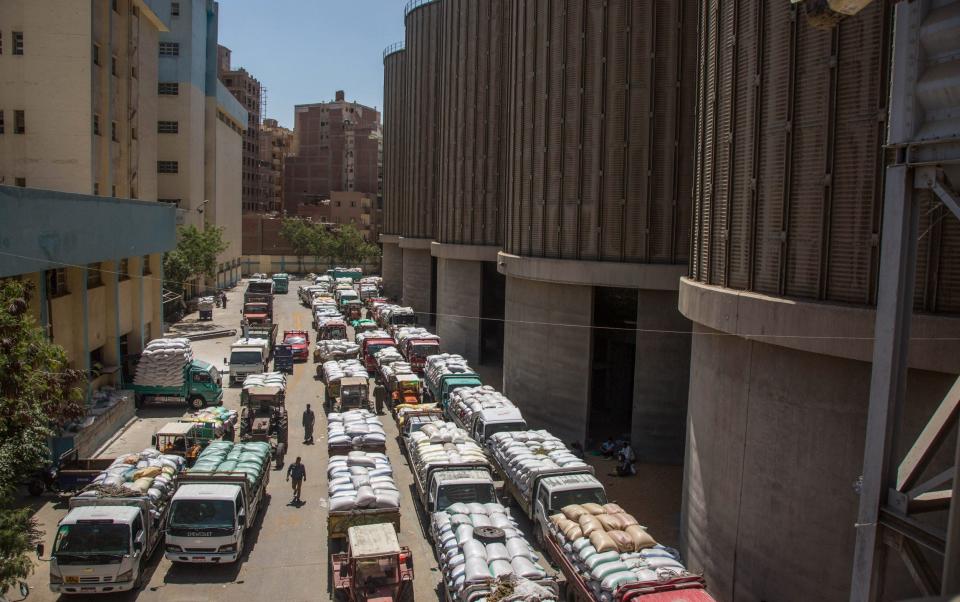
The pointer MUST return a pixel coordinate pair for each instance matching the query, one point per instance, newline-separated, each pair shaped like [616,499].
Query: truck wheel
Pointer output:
[36,487]
[197,403]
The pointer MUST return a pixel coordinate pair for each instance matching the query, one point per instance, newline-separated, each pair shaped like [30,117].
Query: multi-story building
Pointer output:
[337,146]
[200,127]
[78,108]
[246,89]
[276,144]
[358,209]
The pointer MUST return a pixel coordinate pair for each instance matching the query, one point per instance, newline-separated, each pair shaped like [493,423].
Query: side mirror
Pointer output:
[40,549]
[226,362]
[24,590]
[242,513]
[139,537]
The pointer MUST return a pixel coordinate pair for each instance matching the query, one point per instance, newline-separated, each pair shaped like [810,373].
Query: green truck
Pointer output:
[281,283]
[201,386]
[438,389]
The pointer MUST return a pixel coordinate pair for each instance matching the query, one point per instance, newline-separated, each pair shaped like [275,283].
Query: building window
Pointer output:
[113,66]
[174,9]
[168,127]
[168,88]
[169,48]
[96,124]
[56,282]
[19,122]
[133,72]
[113,191]
[18,42]
[145,265]
[113,132]
[96,188]
[174,202]
[168,167]
[1,121]
[21,182]
[96,54]
[94,277]
[123,269]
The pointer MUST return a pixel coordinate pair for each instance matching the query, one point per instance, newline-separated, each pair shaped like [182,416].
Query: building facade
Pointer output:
[246,89]
[357,209]
[337,146]
[276,144]
[200,129]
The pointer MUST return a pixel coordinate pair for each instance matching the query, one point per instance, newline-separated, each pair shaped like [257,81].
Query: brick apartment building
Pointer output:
[337,147]
[359,209]
[247,90]
[276,144]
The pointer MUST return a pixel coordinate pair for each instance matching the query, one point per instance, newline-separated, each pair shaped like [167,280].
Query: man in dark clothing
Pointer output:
[223,299]
[308,420]
[298,472]
[379,397]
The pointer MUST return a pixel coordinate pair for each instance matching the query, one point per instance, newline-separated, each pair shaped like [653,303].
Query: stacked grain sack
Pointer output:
[162,361]
[609,549]
[525,454]
[251,458]
[219,417]
[470,560]
[445,363]
[372,334]
[357,428]
[147,473]
[441,443]
[414,332]
[334,370]
[466,401]
[337,349]
[361,480]
[387,356]
[267,379]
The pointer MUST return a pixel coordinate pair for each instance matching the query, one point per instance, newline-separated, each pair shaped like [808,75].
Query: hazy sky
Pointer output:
[305,50]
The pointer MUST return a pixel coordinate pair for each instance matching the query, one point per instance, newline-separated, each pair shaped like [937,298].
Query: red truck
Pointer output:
[299,341]
[369,347]
[416,350]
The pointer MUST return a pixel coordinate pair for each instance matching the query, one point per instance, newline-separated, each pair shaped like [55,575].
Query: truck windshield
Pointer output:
[465,493]
[503,427]
[91,539]
[244,358]
[256,307]
[577,496]
[373,348]
[377,571]
[295,340]
[202,514]
[425,348]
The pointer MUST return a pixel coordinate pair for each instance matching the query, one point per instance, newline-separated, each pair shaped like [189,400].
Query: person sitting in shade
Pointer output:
[608,448]
[626,461]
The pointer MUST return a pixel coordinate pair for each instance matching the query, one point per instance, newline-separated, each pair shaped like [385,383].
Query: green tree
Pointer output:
[352,247]
[300,235]
[322,243]
[38,393]
[195,255]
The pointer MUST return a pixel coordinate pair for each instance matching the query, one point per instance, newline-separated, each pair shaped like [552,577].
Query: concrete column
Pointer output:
[392,270]
[458,294]
[546,354]
[137,291]
[111,341]
[417,281]
[660,379]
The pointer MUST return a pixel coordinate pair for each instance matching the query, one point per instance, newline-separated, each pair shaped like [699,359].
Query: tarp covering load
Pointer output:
[395,310]
[525,454]
[355,427]
[251,458]
[147,473]
[440,443]
[162,361]
[466,401]
[469,559]
[334,370]
[218,417]
[361,480]
[609,549]
[445,363]
[267,379]
[413,332]
[342,349]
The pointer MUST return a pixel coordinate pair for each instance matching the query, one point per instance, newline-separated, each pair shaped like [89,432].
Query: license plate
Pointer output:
[71,579]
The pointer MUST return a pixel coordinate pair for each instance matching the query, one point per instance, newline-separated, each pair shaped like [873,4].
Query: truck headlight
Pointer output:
[227,549]
[173,548]
[125,576]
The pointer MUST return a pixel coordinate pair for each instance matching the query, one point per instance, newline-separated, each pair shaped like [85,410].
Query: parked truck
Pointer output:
[370,343]
[257,310]
[443,478]
[416,344]
[281,283]
[212,512]
[201,386]
[483,412]
[248,356]
[265,331]
[260,285]
[444,374]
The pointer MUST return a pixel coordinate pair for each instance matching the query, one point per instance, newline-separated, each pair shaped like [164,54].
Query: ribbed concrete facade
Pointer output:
[786,233]
[394,191]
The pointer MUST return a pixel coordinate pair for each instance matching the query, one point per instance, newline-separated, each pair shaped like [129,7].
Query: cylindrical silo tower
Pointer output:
[597,220]
[395,201]
[789,192]
[474,129]
[420,159]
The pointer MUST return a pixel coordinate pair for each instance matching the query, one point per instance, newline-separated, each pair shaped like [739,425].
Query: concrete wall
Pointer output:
[417,281]
[392,270]
[546,368]
[775,441]
[459,294]
[660,378]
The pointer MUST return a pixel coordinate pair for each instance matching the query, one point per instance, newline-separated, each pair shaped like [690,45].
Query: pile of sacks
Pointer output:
[251,458]
[334,370]
[466,561]
[395,310]
[609,549]
[205,302]
[337,349]
[391,370]
[361,480]
[445,363]
[161,363]
[357,428]
[466,401]
[147,473]
[525,454]
[387,356]
[413,332]
[372,334]
[220,417]
[443,443]
[267,379]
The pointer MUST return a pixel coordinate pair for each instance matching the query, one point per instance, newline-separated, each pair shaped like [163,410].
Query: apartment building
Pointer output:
[276,144]
[200,129]
[337,147]
[357,209]
[246,89]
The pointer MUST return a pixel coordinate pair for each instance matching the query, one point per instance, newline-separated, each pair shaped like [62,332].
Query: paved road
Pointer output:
[287,558]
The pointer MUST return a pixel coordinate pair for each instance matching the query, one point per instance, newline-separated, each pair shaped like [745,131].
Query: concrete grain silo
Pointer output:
[394,193]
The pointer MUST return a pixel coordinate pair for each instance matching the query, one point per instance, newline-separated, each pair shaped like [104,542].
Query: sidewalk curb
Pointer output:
[123,429]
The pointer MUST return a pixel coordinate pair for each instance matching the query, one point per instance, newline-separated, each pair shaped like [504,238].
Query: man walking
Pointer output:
[298,472]
[308,420]
[379,397]
[223,299]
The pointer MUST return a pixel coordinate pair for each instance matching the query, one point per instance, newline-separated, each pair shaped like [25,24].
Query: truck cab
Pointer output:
[452,485]
[553,492]
[208,522]
[451,382]
[281,284]
[299,341]
[486,423]
[417,350]
[257,312]
[247,357]
[100,549]
[203,381]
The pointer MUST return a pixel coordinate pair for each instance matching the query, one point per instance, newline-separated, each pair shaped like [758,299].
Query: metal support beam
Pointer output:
[946,196]
[951,560]
[930,439]
[888,379]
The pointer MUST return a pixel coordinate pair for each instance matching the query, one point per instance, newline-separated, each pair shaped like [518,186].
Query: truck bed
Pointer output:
[339,522]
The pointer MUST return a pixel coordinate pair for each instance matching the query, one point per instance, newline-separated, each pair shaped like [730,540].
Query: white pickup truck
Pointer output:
[248,356]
